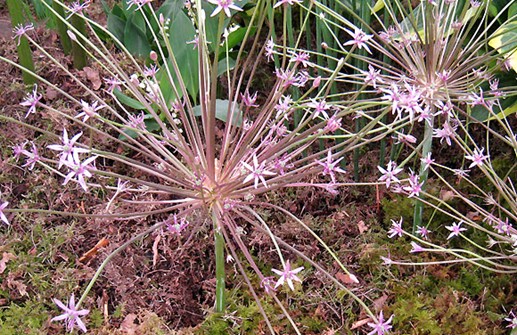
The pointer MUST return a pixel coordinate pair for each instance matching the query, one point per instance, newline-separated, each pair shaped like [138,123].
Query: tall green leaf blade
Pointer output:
[182,31]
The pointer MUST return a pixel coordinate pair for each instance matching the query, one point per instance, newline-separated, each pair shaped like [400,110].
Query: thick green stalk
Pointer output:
[66,43]
[24,51]
[426,148]
[78,53]
[220,277]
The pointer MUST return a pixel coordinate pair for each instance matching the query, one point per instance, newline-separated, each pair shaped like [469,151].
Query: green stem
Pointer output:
[220,301]
[24,51]
[426,148]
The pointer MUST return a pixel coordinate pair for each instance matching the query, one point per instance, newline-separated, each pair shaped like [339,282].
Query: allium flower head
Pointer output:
[175,225]
[71,315]
[287,275]
[427,160]
[79,170]
[320,107]
[77,7]
[424,232]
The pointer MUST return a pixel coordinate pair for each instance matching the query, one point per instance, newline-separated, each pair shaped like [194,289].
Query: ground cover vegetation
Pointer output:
[298,167]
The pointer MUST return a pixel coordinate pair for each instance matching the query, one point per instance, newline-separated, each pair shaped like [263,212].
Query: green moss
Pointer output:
[214,325]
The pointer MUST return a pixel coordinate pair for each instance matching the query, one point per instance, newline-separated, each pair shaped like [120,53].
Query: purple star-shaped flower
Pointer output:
[380,327]
[455,229]
[71,314]
[287,275]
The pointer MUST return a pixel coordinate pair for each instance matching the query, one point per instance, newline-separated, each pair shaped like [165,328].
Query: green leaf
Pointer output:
[512,10]
[221,112]
[505,42]
[170,8]
[125,100]
[135,39]
[117,22]
[237,36]
[182,31]
[223,63]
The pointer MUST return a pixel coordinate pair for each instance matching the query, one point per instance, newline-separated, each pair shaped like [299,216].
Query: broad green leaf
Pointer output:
[170,8]
[223,63]
[512,11]
[117,22]
[130,102]
[505,42]
[236,37]
[221,112]
[182,31]
[135,39]
[378,6]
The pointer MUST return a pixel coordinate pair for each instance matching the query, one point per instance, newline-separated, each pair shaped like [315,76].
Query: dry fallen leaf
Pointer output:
[379,302]
[345,278]
[360,323]
[18,285]
[446,195]
[155,249]
[90,254]
[362,226]
[128,325]
[6,257]
[93,76]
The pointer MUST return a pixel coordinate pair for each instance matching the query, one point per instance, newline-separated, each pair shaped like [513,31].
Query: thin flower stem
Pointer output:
[220,277]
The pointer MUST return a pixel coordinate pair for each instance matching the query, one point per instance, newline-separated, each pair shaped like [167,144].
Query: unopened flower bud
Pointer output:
[316,82]
[162,19]
[324,45]
[154,56]
[71,35]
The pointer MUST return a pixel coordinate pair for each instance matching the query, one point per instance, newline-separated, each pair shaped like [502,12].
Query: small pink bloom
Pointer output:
[225,6]
[455,229]
[287,275]
[396,228]
[2,215]
[359,39]
[477,158]
[381,327]
[71,315]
